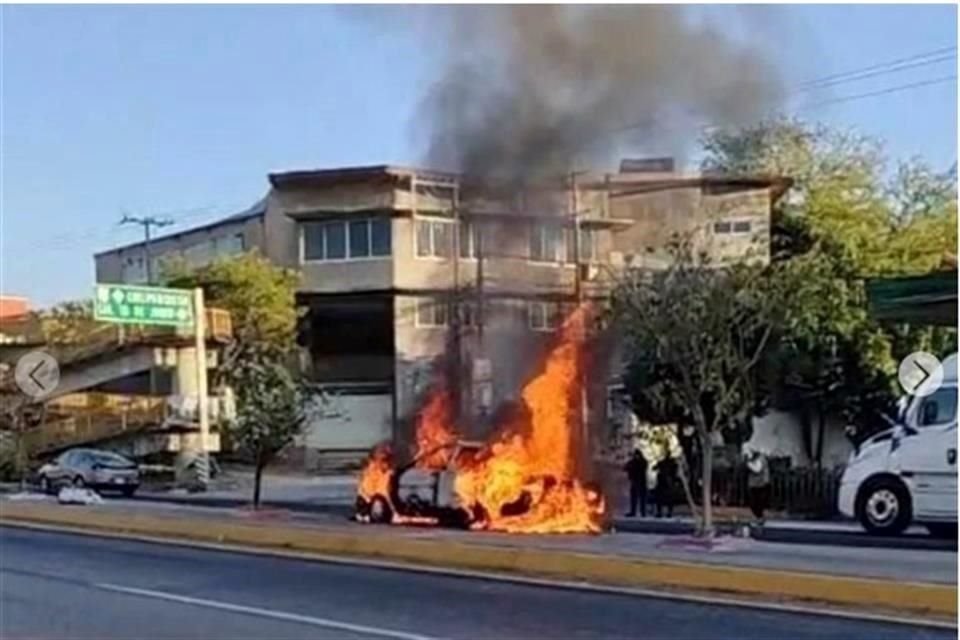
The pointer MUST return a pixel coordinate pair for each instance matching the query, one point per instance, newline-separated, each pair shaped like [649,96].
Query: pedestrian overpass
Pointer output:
[131,389]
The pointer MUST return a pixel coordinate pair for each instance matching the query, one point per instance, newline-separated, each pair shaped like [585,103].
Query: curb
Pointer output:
[852,593]
[783,534]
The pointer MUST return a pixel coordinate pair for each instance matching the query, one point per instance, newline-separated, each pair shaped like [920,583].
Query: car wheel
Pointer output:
[128,492]
[943,530]
[883,507]
[79,482]
[361,509]
[45,485]
[380,511]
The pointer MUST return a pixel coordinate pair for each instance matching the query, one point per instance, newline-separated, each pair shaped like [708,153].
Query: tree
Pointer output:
[271,404]
[259,364]
[694,335]
[842,221]
[260,296]
[69,322]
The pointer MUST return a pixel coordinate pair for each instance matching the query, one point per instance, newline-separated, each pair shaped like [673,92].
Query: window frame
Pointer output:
[551,313]
[346,223]
[730,227]
[468,231]
[433,224]
[433,304]
[926,399]
[561,247]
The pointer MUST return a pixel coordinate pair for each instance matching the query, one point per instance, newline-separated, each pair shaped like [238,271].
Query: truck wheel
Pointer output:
[883,507]
[380,511]
[943,530]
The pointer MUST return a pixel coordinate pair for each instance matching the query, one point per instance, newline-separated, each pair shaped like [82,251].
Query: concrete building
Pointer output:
[194,247]
[410,276]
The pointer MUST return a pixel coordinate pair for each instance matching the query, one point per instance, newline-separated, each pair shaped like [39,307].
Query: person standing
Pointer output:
[758,483]
[666,473]
[636,469]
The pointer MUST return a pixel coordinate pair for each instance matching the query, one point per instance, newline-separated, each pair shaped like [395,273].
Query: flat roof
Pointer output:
[628,184]
[368,173]
[258,209]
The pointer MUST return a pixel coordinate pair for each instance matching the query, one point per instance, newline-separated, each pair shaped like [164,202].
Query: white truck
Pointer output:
[908,474]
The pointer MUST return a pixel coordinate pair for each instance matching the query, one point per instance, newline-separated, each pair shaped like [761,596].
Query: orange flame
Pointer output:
[375,478]
[435,429]
[525,480]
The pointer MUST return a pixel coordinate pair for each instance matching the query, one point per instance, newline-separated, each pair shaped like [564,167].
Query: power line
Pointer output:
[853,75]
[872,74]
[879,92]
[875,69]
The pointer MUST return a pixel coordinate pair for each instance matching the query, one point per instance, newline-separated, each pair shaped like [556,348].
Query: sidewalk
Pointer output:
[907,581]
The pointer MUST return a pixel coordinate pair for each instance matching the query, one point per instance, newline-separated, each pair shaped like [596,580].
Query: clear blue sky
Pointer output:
[183,110]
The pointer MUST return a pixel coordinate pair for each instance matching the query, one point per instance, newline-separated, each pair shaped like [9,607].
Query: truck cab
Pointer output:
[908,474]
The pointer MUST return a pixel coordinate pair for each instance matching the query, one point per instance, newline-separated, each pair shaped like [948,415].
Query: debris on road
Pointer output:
[78,495]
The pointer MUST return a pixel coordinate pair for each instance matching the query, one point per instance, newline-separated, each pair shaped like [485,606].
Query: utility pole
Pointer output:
[147,222]
[578,294]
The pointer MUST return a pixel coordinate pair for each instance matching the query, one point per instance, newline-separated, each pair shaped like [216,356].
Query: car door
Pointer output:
[928,455]
[61,468]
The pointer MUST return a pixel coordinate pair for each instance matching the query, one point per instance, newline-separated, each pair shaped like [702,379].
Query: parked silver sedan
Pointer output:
[94,468]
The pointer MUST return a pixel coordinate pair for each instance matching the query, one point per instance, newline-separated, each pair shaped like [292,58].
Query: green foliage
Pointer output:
[694,337]
[259,296]
[694,334]
[843,221]
[271,401]
[271,397]
[69,322]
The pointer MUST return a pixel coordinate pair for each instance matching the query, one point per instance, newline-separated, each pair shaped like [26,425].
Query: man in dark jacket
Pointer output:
[666,474]
[636,469]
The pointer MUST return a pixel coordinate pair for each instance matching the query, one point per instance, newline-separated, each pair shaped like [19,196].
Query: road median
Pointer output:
[855,593]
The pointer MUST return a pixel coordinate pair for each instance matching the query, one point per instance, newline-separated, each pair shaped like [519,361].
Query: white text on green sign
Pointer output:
[144,305]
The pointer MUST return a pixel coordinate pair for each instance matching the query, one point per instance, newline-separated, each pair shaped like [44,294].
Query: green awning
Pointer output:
[929,299]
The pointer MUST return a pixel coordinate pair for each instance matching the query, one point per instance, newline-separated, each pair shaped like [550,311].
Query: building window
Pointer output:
[134,271]
[434,238]
[468,314]
[734,226]
[431,313]
[587,245]
[543,316]
[468,240]
[346,239]
[359,239]
[227,245]
[380,238]
[548,243]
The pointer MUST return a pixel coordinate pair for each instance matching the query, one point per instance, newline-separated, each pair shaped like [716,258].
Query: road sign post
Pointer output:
[201,354]
[157,306]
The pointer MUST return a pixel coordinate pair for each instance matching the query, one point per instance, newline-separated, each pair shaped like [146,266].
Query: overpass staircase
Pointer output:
[87,410]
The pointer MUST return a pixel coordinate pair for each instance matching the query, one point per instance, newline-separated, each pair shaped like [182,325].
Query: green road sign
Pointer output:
[144,305]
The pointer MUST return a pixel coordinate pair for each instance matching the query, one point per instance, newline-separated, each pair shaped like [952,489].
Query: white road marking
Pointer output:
[266,613]
[812,609]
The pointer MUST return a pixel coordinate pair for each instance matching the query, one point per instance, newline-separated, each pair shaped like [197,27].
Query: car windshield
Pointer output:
[108,459]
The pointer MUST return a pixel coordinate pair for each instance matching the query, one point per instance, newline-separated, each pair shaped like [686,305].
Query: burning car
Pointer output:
[420,491]
[523,479]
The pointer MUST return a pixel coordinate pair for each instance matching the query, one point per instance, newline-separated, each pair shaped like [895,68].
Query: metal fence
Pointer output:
[810,492]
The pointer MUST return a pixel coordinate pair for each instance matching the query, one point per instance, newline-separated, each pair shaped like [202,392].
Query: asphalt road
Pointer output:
[72,586]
